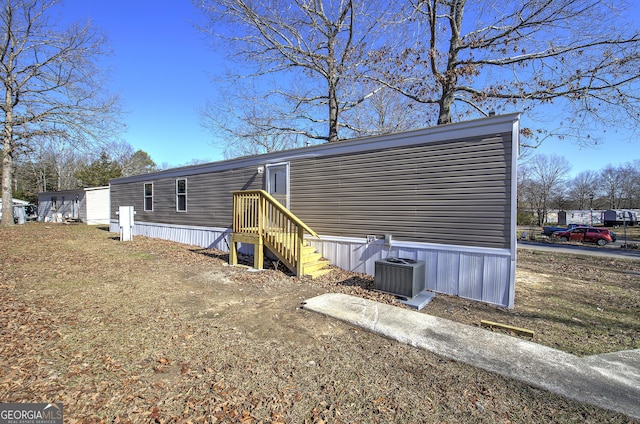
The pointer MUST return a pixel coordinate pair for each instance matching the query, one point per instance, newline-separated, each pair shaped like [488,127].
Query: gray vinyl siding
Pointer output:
[66,205]
[444,194]
[209,199]
[421,186]
[454,192]
[450,192]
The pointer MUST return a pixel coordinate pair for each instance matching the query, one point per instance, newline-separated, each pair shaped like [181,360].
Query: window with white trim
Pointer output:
[148,196]
[181,195]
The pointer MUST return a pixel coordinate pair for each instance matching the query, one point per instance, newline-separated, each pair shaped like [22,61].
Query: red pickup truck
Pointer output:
[600,236]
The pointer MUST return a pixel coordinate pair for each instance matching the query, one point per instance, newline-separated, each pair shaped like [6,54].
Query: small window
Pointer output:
[181,195]
[148,196]
[54,203]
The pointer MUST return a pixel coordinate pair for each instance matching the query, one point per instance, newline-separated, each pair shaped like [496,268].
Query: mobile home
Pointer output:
[444,195]
[613,217]
[87,205]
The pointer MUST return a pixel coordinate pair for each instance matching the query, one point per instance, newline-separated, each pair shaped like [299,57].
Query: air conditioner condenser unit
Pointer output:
[400,276]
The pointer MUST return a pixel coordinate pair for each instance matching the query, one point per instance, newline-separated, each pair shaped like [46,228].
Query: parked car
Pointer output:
[600,236]
[548,231]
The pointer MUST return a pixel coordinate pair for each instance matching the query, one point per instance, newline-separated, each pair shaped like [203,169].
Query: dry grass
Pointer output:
[153,331]
[579,304]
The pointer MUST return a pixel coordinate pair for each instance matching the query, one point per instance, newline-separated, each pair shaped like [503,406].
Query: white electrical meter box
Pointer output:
[125,220]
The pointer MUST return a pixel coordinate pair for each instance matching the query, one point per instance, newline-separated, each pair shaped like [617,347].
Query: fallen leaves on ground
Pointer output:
[153,331]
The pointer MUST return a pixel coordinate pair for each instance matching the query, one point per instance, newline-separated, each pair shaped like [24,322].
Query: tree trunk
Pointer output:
[446,100]
[332,77]
[7,173]
[7,136]
[333,113]
[449,80]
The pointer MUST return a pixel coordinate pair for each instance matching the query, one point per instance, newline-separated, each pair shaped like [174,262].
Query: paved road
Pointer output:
[613,250]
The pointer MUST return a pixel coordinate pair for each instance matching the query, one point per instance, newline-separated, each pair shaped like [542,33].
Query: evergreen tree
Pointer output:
[99,172]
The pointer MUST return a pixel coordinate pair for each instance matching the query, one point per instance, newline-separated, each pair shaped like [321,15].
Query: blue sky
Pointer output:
[161,67]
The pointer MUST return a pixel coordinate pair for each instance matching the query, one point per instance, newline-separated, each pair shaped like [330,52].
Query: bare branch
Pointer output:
[50,84]
[317,52]
[522,55]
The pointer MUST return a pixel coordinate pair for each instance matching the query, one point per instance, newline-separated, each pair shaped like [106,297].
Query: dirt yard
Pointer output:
[154,331]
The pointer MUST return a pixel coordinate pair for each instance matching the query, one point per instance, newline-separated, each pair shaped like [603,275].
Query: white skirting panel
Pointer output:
[481,274]
[474,273]
[206,237]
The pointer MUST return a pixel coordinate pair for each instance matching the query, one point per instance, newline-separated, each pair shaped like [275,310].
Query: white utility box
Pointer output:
[125,220]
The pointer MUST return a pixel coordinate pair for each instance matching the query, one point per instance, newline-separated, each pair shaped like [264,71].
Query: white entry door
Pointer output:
[277,179]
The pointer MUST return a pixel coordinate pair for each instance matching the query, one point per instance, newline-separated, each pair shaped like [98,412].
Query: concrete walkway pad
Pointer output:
[610,381]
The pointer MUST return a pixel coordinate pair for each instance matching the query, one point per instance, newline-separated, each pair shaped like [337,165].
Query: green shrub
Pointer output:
[526,218]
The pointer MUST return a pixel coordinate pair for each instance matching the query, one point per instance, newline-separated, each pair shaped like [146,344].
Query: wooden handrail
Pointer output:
[280,207]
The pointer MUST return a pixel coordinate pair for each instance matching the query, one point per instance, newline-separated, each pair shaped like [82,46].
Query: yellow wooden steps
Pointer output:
[310,255]
[318,273]
[313,264]
[261,220]
[316,268]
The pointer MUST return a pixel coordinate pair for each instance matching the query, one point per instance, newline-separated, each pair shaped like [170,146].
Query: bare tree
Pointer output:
[313,52]
[119,152]
[48,165]
[53,161]
[66,161]
[584,188]
[612,178]
[531,194]
[386,111]
[634,184]
[50,84]
[244,125]
[527,193]
[476,57]
[629,184]
[547,176]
